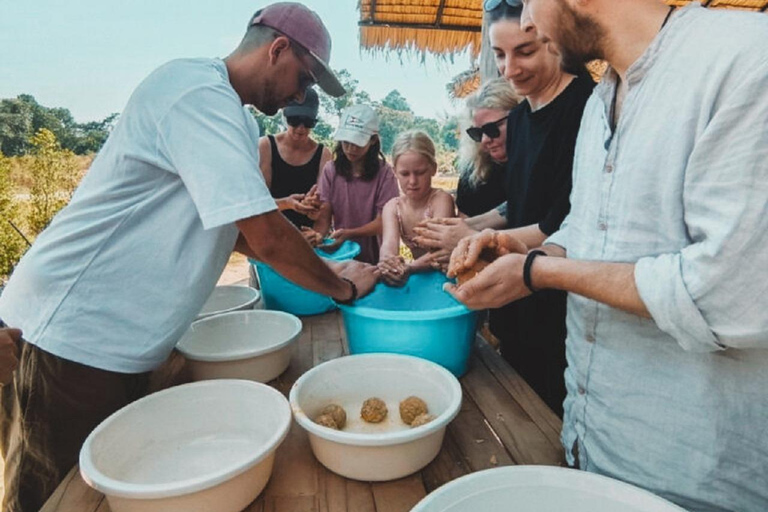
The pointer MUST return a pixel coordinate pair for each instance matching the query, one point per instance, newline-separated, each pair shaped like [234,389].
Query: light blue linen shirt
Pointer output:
[677,404]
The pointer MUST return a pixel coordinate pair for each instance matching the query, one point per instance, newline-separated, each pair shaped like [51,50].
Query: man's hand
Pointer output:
[494,244]
[498,284]
[362,274]
[394,271]
[9,353]
[442,233]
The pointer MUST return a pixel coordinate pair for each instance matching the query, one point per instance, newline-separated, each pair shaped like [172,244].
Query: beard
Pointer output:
[580,38]
[268,103]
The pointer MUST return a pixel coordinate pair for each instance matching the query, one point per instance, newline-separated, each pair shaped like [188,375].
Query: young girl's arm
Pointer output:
[390,239]
[323,223]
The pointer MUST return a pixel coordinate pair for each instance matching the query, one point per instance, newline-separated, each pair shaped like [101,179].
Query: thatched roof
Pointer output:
[436,26]
[446,27]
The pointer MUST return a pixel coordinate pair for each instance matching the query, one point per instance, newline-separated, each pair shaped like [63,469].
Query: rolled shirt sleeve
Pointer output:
[712,294]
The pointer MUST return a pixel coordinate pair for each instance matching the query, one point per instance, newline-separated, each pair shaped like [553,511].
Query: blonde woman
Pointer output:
[413,159]
[483,151]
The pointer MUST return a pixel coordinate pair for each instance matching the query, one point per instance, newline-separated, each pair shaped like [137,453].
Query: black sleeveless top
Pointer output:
[294,179]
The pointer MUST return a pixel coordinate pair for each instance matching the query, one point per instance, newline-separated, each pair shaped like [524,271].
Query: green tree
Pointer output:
[333,107]
[396,101]
[12,246]
[23,117]
[268,125]
[54,175]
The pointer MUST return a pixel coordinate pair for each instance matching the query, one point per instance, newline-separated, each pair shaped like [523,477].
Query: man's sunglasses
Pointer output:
[490,129]
[297,121]
[490,5]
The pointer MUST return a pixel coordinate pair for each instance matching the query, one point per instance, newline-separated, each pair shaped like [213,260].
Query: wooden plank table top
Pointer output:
[501,422]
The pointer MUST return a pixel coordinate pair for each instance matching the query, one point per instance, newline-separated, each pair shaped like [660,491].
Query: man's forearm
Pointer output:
[610,283]
[273,240]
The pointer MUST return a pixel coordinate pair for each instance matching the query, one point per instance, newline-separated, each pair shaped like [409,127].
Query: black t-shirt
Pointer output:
[479,198]
[540,147]
[290,179]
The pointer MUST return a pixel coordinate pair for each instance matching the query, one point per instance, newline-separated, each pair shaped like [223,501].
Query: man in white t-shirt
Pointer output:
[108,289]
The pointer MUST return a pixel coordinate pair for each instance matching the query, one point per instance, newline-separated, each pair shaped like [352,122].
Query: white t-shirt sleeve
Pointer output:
[207,139]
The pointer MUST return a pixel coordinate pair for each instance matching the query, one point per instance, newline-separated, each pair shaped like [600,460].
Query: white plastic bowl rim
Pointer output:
[233,355]
[384,438]
[572,478]
[255,296]
[107,485]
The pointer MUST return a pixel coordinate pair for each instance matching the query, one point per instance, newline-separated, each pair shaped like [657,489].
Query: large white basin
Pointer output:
[253,345]
[540,489]
[383,451]
[200,447]
[225,299]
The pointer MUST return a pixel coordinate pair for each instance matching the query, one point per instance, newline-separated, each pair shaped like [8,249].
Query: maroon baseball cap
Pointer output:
[305,27]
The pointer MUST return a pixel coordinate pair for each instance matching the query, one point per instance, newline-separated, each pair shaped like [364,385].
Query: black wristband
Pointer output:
[353,298]
[527,268]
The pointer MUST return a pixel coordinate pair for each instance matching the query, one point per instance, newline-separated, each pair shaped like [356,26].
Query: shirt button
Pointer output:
[582,391]
[590,338]
[602,226]
[609,168]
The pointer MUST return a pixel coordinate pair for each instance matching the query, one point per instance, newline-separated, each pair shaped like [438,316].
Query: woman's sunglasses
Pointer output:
[490,129]
[490,5]
[297,121]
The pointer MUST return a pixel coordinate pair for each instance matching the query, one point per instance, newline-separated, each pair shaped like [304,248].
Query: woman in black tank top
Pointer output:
[288,179]
[291,162]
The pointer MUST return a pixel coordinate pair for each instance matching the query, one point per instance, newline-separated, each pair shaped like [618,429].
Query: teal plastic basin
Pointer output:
[419,319]
[280,294]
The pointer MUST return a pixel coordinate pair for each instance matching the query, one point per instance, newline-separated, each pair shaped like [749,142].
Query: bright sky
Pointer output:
[88,55]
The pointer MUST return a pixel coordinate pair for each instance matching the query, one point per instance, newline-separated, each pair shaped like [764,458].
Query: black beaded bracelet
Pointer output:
[527,268]
[353,298]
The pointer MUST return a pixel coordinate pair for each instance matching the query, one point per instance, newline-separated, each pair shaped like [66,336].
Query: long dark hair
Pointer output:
[374,159]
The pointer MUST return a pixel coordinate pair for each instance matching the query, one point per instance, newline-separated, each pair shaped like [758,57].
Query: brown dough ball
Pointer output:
[374,410]
[338,414]
[327,420]
[422,419]
[472,271]
[412,407]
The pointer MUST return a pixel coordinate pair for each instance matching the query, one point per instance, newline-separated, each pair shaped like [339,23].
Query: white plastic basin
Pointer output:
[384,451]
[200,447]
[540,489]
[225,299]
[253,345]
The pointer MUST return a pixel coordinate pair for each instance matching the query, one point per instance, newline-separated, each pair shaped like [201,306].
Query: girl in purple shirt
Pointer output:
[356,185]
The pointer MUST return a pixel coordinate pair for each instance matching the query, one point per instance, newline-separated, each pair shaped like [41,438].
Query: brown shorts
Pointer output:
[47,412]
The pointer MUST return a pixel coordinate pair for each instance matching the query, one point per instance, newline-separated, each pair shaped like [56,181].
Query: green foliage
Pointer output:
[12,246]
[396,101]
[333,107]
[23,117]
[54,174]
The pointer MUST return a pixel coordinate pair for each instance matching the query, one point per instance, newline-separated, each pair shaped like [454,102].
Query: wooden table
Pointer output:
[501,422]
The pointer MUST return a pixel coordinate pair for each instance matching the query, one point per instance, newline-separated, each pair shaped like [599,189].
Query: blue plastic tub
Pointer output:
[280,294]
[419,319]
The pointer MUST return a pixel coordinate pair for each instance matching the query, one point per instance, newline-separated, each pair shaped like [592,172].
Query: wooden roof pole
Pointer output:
[440,9]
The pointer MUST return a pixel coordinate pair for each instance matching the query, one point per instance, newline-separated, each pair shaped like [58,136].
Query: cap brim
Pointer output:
[327,80]
[355,137]
[300,111]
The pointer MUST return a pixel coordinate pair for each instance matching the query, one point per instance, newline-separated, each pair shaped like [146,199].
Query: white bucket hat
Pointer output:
[357,125]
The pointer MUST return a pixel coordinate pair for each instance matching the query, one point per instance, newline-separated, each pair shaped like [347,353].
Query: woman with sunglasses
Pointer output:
[541,137]
[483,151]
[291,162]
